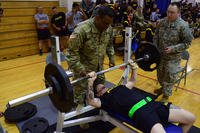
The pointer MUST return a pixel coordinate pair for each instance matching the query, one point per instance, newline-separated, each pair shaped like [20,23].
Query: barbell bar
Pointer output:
[29,97]
[146,57]
[49,90]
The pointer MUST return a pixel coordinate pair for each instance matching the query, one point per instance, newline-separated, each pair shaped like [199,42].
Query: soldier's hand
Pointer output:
[80,9]
[133,64]
[168,50]
[111,63]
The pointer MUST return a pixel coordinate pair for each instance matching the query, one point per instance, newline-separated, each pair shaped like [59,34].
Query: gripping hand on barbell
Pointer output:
[133,64]
[92,76]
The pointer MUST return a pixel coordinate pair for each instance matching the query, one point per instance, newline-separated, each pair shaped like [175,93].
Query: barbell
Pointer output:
[60,90]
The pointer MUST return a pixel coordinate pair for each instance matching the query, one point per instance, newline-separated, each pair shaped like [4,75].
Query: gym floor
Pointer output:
[23,76]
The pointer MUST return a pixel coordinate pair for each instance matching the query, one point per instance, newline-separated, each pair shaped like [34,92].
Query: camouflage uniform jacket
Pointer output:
[176,35]
[87,47]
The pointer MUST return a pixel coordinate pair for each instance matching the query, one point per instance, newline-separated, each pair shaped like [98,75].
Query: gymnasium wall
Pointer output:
[18,35]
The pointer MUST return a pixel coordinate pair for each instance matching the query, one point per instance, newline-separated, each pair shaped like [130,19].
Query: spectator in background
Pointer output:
[42,21]
[75,16]
[154,17]
[87,6]
[134,4]
[59,25]
[154,7]
[100,2]
[147,13]
[138,21]
[130,13]
[1,12]
[149,3]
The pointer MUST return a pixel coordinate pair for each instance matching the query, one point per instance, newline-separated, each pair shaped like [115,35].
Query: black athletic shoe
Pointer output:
[49,50]
[40,52]
[164,99]
[158,91]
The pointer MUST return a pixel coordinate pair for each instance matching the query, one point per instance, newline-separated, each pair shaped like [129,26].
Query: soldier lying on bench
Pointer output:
[147,115]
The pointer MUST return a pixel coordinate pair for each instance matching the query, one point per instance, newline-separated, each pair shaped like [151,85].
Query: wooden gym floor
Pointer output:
[22,76]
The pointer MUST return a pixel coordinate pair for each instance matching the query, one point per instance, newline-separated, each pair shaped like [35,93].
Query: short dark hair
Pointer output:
[75,4]
[96,83]
[177,4]
[105,10]
[54,7]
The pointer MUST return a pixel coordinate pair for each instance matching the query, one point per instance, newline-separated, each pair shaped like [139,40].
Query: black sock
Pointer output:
[49,50]
[40,51]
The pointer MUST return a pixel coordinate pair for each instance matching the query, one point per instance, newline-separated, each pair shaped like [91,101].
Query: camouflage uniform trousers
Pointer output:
[167,74]
[81,87]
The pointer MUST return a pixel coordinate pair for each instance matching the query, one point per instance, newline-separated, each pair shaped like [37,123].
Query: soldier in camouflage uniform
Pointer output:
[88,44]
[172,36]
[138,22]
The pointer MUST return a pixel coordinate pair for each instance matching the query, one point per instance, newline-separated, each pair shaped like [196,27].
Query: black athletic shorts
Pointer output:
[63,32]
[43,34]
[146,117]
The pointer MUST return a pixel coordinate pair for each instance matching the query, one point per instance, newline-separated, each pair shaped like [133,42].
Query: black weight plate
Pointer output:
[35,125]
[20,112]
[154,56]
[55,85]
[62,96]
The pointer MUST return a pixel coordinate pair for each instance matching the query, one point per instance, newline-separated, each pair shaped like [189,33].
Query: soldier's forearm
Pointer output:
[110,52]
[133,75]
[181,47]
[77,67]
[43,21]
[75,64]
[96,102]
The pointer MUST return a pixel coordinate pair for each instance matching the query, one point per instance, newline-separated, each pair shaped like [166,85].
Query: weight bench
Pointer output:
[66,119]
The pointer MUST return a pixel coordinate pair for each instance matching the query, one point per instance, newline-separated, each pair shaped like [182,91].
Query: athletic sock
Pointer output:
[40,52]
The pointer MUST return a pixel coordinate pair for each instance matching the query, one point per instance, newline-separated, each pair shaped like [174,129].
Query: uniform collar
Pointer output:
[94,29]
[173,24]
